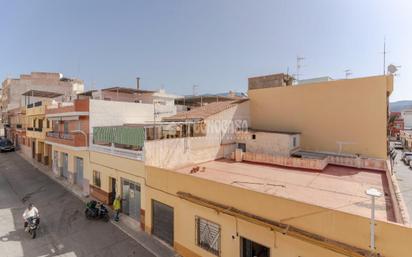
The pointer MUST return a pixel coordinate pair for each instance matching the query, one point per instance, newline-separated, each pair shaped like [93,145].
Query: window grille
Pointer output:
[208,235]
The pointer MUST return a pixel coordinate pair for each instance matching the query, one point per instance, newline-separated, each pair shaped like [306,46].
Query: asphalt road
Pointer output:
[63,231]
[403,174]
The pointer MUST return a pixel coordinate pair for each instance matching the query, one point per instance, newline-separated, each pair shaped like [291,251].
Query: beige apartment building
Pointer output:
[14,88]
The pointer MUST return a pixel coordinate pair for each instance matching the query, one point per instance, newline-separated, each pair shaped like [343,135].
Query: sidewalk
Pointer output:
[126,224]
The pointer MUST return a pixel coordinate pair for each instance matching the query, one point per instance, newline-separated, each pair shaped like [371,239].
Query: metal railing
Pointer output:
[135,155]
[36,104]
[60,135]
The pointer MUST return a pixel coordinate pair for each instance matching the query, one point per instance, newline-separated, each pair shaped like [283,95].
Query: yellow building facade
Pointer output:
[37,127]
[342,116]
[332,233]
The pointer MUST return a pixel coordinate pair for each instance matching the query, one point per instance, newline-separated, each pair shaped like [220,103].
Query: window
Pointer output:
[96,178]
[294,142]
[66,127]
[254,136]
[242,146]
[208,235]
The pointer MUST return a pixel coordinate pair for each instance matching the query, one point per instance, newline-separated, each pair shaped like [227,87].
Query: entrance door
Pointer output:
[131,199]
[134,201]
[65,166]
[248,248]
[33,149]
[125,197]
[162,218]
[79,171]
[112,194]
[55,162]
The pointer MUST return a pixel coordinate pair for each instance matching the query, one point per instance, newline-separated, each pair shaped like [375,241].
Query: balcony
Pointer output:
[37,133]
[35,110]
[119,141]
[36,104]
[70,139]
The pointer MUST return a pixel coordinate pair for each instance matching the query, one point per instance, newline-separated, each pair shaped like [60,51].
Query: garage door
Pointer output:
[162,221]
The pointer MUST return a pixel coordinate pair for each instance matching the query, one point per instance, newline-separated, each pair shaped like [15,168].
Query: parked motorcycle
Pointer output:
[32,226]
[96,210]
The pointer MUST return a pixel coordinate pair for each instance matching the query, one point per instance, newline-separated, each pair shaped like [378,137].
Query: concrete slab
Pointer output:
[339,188]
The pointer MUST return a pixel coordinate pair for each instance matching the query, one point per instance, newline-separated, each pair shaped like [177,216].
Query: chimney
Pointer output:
[138,83]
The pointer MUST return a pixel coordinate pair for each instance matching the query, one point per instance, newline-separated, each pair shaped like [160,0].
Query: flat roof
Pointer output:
[45,94]
[126,90]
[338,188]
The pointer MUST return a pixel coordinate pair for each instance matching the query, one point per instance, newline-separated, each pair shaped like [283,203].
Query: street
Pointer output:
[403,175]
[63,231]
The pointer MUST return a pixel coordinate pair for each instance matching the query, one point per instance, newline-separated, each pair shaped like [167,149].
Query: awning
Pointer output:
[119,135]
[70,118]
[63,118]
[54,118]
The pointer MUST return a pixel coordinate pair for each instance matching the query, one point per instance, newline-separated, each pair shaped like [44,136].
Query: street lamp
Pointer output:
[373,193]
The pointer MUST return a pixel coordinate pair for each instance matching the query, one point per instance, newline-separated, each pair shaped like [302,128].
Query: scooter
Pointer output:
[96,210]
[32,226]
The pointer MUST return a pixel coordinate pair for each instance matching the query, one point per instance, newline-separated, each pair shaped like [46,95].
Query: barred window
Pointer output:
[96,178]
[208,235]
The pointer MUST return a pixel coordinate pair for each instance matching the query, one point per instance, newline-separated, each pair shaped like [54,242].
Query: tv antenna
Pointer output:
[392,69]
[299,61]
[384,55]
[348,72]
[194,88]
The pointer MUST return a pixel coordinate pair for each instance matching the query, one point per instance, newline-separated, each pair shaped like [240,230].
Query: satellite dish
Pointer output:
[392,69]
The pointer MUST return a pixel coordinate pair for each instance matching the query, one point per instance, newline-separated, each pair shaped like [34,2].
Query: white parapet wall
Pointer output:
[112,113]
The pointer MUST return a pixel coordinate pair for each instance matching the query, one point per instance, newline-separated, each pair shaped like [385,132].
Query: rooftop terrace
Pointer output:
[338,188]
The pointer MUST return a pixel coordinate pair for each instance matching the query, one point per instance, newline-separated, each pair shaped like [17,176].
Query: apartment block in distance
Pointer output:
[14,88]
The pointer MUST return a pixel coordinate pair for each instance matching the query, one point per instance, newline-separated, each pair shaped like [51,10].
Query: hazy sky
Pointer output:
[216,44]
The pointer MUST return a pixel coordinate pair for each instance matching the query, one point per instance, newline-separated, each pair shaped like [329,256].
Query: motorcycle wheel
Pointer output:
[33,234]
[106,218]
[88,214]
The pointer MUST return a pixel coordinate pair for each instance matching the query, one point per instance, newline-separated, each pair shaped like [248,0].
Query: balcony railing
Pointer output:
[60,135]
[38,129]
[34,104]
[135,155]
